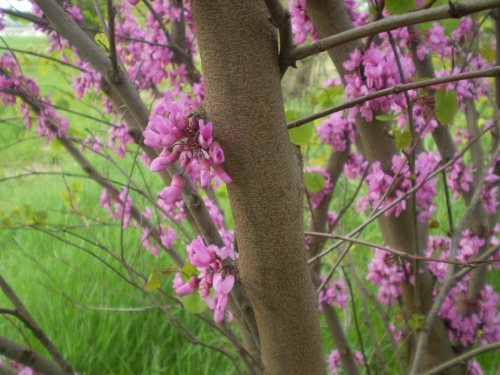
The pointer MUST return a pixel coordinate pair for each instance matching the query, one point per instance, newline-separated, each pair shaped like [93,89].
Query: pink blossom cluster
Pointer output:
[388,275]
[186,138]
[13,84]
[214,280]
[355,166]
[333,292]
[333,360]
[117,207]
[302,26]
[87,80]
[468,320]
[55,41]
[146,49]
[119,137]
[373,70]
[337,131]
[317,198]
[166,238]
[460,177]
[396,184]
[435,42]
[438,247]
[489,194]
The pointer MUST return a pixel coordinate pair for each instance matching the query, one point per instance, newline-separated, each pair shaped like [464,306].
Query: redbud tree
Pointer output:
[250,230]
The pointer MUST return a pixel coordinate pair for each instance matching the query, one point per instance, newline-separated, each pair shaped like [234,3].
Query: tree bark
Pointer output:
[239,57]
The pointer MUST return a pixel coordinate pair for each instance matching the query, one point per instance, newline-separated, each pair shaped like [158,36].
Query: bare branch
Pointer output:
[29,358]
[454,9]
[27,319]
[463,357]
[490,72]
[281,19]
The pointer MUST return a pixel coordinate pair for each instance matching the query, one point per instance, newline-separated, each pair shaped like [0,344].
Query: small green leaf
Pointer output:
[102,40]
[403,138]
[301,135]
[400,6]
[488,53]
[314,181]
[384,117]
[188,271]
[194,304]
[416,322]
[446,105]
[153,282]
[449,25]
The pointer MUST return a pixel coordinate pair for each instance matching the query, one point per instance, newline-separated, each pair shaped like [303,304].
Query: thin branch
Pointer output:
[40,55]
[454,9]
[490,72]
[399,253]
[463,357]
[29,358]
[281,19]
[115,74]
[28,320]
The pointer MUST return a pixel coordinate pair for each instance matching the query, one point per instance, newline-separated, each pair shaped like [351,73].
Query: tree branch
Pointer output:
[490,72]
[28,357]
[281,19]
[463,357]
[27,319]
[452,10]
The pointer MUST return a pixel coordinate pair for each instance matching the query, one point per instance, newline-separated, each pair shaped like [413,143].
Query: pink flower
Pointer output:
[222,288]
[184,289]
[205,177]
[216,153]
[173,192]
[163,161]
[205,137]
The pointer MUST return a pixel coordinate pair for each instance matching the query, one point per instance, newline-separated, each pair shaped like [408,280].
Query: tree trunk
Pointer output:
[239,57]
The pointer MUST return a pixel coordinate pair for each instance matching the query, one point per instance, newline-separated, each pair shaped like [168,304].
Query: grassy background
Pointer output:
[73,297]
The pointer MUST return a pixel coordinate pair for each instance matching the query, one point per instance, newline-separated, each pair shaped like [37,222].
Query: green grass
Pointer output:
[75,298]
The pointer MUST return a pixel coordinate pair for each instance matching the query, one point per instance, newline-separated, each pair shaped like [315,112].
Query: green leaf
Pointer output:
[403,138]
[449,25]
[301,135]
[384,117]
[314,181]
[188,271]
[102,40]
[488,53]
[400,6]
[446,105]
[153,282]
[329,97]
[194,304]
[416,322]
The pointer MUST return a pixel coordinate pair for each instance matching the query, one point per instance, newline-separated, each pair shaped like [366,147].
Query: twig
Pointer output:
[490,72]
[452,10]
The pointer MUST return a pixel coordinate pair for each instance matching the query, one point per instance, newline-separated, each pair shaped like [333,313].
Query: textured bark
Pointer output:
[240,62]
[330,18]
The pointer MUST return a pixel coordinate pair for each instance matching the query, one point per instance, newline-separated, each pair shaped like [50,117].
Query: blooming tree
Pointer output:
[405,126]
